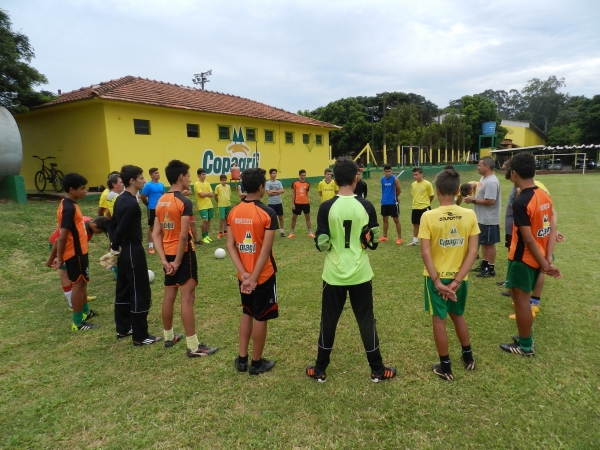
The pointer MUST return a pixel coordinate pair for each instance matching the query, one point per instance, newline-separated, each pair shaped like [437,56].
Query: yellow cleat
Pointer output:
[514,316]
[91,297]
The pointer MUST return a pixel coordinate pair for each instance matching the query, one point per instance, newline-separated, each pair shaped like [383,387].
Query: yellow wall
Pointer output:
[168,140]
[523,137]
[73,133]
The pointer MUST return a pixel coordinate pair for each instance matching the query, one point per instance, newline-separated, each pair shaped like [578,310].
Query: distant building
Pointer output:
[523,134]
[97,129]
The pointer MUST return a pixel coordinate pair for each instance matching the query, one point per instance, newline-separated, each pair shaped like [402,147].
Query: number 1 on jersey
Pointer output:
[347,230]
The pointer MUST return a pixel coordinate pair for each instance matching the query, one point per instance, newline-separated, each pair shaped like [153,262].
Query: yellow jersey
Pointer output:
[541,186]
[203,202]
[421,192]
[224,195]
[328,190]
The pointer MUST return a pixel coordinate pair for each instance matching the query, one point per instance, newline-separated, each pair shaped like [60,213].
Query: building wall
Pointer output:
[74,133]
[523,137]
[168,140]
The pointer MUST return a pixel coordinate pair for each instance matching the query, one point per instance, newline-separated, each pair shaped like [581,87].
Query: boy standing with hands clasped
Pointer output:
[223,198]
[422,194]
[449,236]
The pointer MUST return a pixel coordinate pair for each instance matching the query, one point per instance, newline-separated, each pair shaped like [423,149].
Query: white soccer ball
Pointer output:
[220,253]
[150,276]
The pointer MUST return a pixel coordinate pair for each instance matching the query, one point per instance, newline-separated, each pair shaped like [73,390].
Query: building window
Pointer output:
[269,136]
[224,132]
[289,137]
[193,130]
[251,134]
[306,138]
[141,126]
[319,140]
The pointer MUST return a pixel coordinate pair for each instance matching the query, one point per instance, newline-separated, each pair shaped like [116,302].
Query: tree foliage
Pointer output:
[17,77]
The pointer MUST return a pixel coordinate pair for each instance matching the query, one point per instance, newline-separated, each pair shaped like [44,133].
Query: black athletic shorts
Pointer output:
[262,302]
[188,270]
[151,216]
[278,208]
[416,215]
[77,267]
[301,209]
[489,234]
[507,240]
[390,210]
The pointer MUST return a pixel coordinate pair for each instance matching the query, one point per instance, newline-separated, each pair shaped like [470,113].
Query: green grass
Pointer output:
[59,389]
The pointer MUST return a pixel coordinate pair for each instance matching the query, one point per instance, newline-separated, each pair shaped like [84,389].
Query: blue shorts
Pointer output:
[489,234]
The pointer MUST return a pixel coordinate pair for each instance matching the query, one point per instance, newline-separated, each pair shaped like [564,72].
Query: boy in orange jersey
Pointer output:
[300,203]
[173,243]
[251,227]
[72,249]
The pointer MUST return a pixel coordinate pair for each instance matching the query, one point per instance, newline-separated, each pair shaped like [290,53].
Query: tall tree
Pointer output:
[589,121]
[475,111]
[17,77]
[544,100]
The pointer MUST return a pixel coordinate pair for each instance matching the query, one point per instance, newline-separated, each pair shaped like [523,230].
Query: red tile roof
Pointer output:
[150,92]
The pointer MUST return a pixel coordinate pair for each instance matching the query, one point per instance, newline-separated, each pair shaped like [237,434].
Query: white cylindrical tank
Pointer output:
[11,148]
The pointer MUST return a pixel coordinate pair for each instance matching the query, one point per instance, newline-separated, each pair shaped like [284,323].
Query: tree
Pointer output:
[543,101]
[589,121]
[17,77]
[475,111]
[509,104]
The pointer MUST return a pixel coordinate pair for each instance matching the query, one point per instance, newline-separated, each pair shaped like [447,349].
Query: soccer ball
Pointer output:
[150,276]
[220,253]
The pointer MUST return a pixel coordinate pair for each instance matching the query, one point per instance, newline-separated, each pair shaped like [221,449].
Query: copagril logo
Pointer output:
[239,153]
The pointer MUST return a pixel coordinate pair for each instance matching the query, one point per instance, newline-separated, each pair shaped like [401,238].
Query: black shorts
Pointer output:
[78,267]
[489,234]
[416,215]
[188,270]
[301,209]
[151,216]
[390,210]
[278,208]
[507,240]
[262,303]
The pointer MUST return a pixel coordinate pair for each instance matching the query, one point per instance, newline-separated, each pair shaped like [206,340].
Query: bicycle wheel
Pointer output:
[40,180]
[57,181]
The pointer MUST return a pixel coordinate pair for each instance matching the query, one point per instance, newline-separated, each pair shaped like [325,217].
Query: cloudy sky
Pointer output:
[304,54]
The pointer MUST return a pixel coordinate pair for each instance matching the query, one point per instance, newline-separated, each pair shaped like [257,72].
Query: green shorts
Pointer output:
[64,266]
[224,212]
[519,275]
[207,214]
[435,305]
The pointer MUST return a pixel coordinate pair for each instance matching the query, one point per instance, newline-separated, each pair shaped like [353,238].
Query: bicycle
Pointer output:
[52,174]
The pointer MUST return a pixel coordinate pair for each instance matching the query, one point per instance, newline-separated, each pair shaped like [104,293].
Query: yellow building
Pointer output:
[523,134]
[98,129]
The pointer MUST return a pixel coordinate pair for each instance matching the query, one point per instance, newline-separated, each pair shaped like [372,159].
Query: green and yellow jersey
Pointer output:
[421,193]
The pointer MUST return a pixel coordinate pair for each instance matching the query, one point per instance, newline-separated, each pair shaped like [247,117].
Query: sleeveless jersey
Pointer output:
[388,190]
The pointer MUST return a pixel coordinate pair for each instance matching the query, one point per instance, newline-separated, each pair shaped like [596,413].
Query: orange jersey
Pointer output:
[248,221]
[301,188]
[532,208]
[69,216]
[169,210]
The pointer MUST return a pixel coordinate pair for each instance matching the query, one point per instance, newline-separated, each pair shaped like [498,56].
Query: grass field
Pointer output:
[59,389]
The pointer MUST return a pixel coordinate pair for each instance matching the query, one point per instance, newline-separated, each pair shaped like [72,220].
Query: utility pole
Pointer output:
[202,78]
[384,138]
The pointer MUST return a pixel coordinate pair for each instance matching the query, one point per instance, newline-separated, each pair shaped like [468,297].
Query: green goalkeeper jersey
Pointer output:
[340,222]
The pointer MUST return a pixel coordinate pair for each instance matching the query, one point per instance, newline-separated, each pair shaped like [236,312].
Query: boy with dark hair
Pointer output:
[300,203]
[204,193]
[390,190]
[102,204]
[275,190]
[449,237]
[530,250]
[223,198]
[346,226]
[422,194]
[361,187]
[115,184]
[251,229]
[72,249]
[132,296]
[328,187]
[151,192]
[176,251]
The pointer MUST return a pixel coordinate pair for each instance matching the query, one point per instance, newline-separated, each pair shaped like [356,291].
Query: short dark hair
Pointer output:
[253,179]
[387,167]
[152,170]
[465,189]
[488,161]
[328,170]
[449,166]
[174,169]
[128,172]
[345,171]
[102,223]
[506,167]
[223,177]
[272,170]
[113,179]
[200,171]
[301,171]
[447,182]
[523,164]
[73,180]
[417,169]
[112,173]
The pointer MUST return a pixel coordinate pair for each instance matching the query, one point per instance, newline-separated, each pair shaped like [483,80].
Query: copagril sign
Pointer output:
[238,153]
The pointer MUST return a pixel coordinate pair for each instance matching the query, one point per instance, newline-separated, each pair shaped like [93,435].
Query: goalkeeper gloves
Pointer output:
[369,237]
[322,242]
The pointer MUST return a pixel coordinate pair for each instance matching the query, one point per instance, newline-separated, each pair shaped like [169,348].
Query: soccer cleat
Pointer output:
[209,239]
[312,372]
[291,235]
[399,242]
[151,250]
[240,366]
[171,342]
[383,239]
[265,366]
[516,349]
[477,269]
[500,283]
[202,350]
[446,376]
[198,242]
[468,365]
[91,297]
[123,336]
[486,273]
[89,315]
[514,316]
[84,326]
[413,243]
[220,235]
[148,341]
[282,234]
[386,374]
[506,294]
[535,308]
[310,235]
[206,240]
